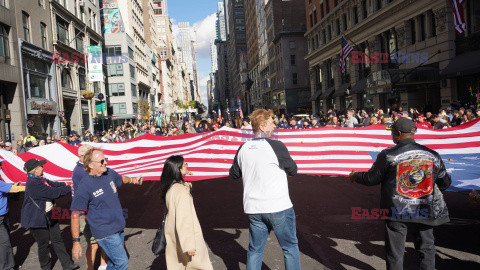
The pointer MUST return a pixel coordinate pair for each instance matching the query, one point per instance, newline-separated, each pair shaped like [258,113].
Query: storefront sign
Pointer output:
[41,107]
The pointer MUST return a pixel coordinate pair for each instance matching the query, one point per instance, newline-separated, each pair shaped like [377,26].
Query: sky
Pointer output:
[201,16]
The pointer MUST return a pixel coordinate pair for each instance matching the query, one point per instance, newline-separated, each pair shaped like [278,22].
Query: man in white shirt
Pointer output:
[351,120]
[263,164]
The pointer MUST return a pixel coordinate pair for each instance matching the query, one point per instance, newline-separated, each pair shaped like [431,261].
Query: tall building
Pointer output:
[168,57]
[288,71]
[251,86]
[186,45]
[221,31]
[75,25]
[213,56]
[236,45]
[395,31]
[262,97]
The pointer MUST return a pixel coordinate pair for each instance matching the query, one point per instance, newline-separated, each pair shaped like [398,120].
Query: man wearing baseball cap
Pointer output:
[36,214]
[411,176]
[92,246]
[6,253]
[422,123]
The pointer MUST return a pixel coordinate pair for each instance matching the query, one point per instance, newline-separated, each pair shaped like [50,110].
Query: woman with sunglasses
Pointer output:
[186,248]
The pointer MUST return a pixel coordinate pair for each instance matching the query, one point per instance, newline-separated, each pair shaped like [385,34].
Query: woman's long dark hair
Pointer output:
[171,172]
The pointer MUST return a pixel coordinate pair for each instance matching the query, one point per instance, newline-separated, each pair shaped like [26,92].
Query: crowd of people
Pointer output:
[445,118]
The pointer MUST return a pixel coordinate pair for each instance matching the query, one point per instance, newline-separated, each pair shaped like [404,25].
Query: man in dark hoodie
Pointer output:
[411,176]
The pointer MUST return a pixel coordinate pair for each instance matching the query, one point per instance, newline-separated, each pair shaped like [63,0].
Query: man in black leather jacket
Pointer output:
[411,176]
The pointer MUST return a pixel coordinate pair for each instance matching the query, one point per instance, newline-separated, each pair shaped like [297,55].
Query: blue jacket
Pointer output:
[32,217]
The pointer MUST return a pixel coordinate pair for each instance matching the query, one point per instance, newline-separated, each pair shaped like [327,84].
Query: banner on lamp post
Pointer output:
[95,68]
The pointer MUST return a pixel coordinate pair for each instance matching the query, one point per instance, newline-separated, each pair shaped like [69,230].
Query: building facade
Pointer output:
[400,47]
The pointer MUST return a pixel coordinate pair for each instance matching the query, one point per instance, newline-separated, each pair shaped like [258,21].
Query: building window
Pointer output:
[344,18]
[118,108]
[311,20]
[329,33]
[26,26]
[81,80]
[321,11]
[335,3]
[240,28]
[38,86]
[364,10]
[434,24]
[93,42]
[239,13]
[378,4]
[292,60]
[294,78]
[4,45]
[134,90]
[337,22]
[413,32]
[79,41]
[423,27]
[96,88]
[132,72]
[43,33]
[355,15]
[116,89]
[292,44]
[314,16]
[115,70]
[113,51]
[130,53]
[473,17]
[66,79]
[135,108]
[62,31]
[324,38]
[327,5]
[240,21]
[2,3]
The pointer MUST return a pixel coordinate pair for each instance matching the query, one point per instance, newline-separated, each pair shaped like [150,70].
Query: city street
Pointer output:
[328,237]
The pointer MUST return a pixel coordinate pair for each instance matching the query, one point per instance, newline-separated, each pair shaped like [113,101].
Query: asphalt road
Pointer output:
[328,237]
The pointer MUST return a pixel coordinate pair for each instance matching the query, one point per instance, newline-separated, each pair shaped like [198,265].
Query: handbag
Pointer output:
[159,242]
[48,216]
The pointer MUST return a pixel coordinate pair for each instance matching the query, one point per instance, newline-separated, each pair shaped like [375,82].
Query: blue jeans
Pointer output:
[114,247]
[283,224]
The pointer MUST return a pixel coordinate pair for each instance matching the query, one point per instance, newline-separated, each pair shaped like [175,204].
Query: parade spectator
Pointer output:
[7,260]
[457,119]
[263,163]
[477,112]
[20,148]
[49,140]
[373,120]
[36,214]
[188,128]
[422,123]
[246,124]
[315,123]
[186,248]
[426,176]
[98,195]
[351,120]
[333,122]
[8,146]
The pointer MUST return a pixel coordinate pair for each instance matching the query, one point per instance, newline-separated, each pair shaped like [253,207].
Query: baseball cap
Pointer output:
[403,125]
[421,116]
[82,150]
[7,144]
[33,163]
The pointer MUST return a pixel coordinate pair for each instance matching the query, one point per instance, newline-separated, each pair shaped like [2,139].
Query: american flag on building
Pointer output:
[344,52]
[458,17]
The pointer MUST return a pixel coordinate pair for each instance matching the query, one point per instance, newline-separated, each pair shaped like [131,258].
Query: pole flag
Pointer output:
[240,108]
[458,18]
[219,112]
[344,52]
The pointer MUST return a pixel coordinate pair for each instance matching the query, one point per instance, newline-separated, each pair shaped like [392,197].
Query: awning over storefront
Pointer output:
[341,90]
[462,65]
[386,81]
[327,93]
[315,95]
[359,87]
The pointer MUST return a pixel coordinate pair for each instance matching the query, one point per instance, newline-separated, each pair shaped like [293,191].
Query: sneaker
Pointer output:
[102,267]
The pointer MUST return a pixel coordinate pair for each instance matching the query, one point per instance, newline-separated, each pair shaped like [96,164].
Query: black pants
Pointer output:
[43,236]
[395,235]
[7,261]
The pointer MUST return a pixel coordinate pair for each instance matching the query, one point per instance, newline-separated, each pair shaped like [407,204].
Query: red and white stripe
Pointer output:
[326,151]
[458,18]
[344,52]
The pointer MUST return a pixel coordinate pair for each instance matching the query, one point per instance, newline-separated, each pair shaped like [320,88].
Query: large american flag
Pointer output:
[344,52]
[458,18]
[320,151]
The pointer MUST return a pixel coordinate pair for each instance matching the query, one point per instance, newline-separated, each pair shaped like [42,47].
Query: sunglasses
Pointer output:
[103,161]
